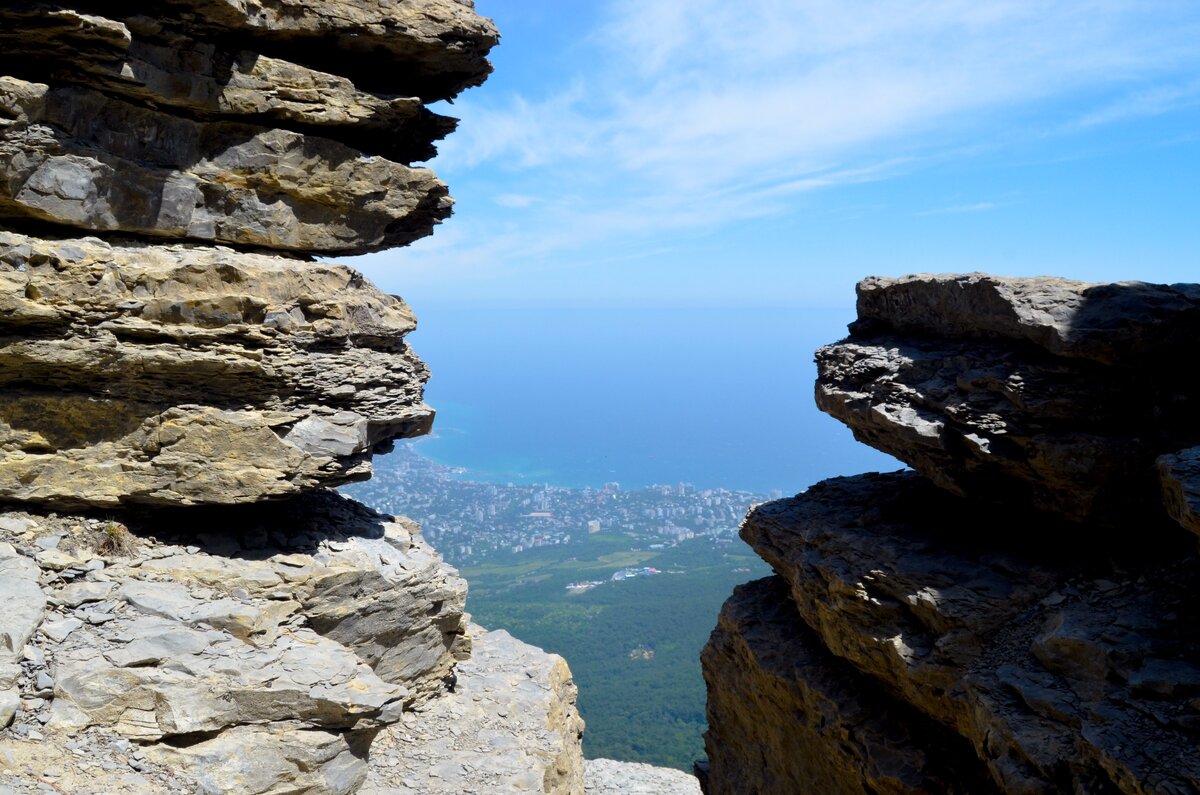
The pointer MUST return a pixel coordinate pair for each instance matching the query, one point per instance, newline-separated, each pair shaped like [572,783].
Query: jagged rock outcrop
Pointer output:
[1045,621]
[765,669]
[145,368]
[282,125]
[148,60]
[426,49]
[67,158]
[177,374]
[299,631]
[1053,393]
[1065,670]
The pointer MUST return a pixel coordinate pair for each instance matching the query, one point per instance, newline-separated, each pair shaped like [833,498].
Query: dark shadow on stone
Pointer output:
[258,531]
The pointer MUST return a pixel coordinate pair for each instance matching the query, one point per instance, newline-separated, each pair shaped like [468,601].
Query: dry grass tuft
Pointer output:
[116,540]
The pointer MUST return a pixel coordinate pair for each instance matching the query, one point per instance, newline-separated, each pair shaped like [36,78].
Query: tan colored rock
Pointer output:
[785,715]
[67,157]
[181,375]
[1068,662]
[510,726]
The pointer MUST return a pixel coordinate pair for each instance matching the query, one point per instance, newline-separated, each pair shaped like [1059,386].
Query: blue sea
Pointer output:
[715,398]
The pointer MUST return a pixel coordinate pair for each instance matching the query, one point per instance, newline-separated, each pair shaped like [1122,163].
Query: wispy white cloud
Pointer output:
[692,114]
[1151,101]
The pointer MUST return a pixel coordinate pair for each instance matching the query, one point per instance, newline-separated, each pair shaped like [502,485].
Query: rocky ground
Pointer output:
[610,777]
[509,725]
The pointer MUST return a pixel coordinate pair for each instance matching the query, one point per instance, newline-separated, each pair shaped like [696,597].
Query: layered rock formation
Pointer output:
[172,361]
[285,125]
[1045,392]
[1019,614]
[144,368]
[165,375]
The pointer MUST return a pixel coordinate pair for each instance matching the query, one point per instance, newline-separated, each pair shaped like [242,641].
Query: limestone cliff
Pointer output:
[1017,615]
[175,367]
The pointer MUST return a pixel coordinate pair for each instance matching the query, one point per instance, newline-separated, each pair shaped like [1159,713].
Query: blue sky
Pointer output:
[644,153]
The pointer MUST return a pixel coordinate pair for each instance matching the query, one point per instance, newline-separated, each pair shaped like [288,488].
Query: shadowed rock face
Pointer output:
[147,60]
[1025,590]
[1055,394]
[179,375]
[1064,669]
[765,669]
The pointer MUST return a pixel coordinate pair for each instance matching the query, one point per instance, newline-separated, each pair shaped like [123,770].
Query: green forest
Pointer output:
[632,645]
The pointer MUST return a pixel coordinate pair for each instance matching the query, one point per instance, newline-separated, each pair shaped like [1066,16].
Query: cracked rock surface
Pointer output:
[611,777]
[182,375]
[509,726]
[1056,394]
[765,669]
[1064,668]
[300,636]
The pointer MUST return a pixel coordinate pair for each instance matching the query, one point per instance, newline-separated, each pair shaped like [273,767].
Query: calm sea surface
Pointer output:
[716,398]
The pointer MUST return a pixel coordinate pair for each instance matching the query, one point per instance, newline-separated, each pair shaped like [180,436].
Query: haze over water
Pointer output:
[712,397]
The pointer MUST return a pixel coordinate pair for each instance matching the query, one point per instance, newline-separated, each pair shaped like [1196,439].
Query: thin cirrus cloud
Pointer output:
[694,114]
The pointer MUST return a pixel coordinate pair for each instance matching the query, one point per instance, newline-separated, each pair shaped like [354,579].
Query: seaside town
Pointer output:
[470,521]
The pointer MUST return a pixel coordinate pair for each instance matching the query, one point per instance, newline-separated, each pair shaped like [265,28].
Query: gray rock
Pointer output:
[62,149]
[10,702]
[968,627]
[15,524]
[203,651]
[23,600]
[510,726]
[611,777]
[785,715]
[284,758]
[79,593]
[58,630]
